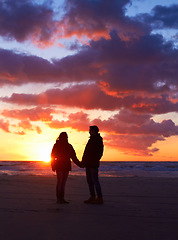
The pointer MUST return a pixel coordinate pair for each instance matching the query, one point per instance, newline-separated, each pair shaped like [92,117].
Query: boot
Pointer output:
[98,200]
[90,200]
[61,201]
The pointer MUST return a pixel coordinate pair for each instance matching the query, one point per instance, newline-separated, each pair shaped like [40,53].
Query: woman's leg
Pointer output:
[61,182]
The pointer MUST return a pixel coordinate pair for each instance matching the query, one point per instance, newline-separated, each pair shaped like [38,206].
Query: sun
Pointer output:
[44,154]
[46,159]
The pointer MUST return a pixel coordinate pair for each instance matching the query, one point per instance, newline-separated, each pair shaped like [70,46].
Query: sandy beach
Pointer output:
[134,208]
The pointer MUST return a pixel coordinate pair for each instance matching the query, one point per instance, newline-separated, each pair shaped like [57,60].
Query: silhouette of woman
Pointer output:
[61,154]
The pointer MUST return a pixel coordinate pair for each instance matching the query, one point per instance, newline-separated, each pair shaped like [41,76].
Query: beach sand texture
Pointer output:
[134,209]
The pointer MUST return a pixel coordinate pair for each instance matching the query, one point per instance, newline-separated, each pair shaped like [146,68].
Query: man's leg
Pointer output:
[97,185]
[90,185]
[96,182]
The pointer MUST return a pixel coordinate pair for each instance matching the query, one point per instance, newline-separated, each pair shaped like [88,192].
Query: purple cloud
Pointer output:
[24,20]
[92,97]
[162,17]
[95,19]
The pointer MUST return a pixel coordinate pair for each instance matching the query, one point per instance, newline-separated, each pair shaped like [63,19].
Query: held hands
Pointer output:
[81,165]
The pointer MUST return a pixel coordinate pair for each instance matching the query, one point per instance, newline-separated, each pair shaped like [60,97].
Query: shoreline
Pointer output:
[137,208]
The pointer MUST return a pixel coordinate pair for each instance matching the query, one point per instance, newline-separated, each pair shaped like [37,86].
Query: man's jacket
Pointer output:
[93,152]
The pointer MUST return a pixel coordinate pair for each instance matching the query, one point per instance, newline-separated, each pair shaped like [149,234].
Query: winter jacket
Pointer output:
[93,152]
[61,155]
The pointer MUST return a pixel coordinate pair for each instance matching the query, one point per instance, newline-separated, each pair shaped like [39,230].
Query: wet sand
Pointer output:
[134,209]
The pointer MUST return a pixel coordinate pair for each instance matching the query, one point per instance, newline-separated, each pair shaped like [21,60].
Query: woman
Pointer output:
[61,154]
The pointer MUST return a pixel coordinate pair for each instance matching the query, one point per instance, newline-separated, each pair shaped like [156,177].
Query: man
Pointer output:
[91,161]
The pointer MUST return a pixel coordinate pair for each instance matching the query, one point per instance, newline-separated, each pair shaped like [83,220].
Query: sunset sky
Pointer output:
[69,64]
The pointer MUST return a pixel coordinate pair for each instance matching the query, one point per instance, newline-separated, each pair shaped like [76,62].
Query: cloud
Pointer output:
[30,20]
[134,145]
[125,131]
[26,116]
[79,121]
[26,125]
[38,130]
[33,114]
[163,17]
[126,122]
[96,19]
[145,65]
[90,96]
[82,96]
[18,69]
[24,20]
[4,125]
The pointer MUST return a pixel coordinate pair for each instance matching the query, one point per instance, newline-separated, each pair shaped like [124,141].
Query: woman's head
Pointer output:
[63,137]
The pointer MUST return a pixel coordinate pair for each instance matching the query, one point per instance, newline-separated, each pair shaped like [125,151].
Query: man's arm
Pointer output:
[74,157]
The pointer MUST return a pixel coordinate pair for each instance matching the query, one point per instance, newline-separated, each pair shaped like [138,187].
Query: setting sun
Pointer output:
[44,154]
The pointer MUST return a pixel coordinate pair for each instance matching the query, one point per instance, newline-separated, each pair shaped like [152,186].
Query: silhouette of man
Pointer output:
[91,161]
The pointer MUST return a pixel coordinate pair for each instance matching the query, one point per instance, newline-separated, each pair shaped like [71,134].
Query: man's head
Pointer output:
[93,130]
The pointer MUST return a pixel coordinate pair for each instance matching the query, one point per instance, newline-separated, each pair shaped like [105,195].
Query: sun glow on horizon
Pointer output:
[41,152]
[44,154]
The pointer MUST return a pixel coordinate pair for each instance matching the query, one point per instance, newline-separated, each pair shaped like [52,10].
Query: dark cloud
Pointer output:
[97,18]
[163,17]
[30,20]
[19,69]
[144,65]
[24,20]
[139,65]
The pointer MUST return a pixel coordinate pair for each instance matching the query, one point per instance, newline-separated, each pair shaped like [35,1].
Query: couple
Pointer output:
[61,154]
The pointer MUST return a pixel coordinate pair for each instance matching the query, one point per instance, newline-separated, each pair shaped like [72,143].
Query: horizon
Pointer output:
[116,161]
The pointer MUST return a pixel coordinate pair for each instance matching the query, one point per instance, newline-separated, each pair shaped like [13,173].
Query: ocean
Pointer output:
[107,169]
